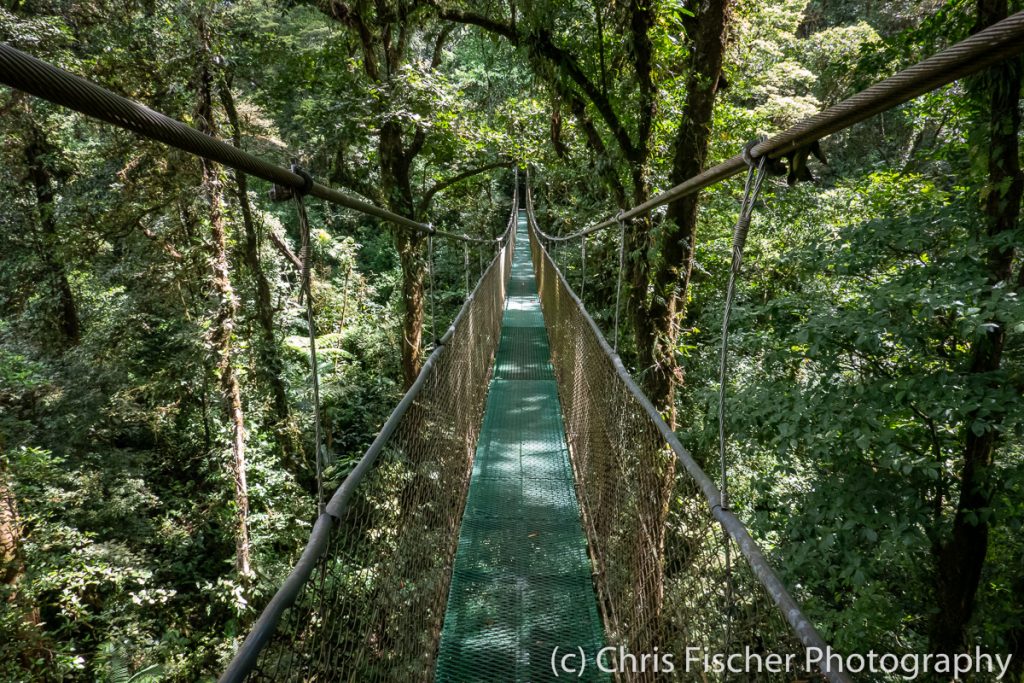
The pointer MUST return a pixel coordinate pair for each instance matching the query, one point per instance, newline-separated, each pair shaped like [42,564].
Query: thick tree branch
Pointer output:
[542,45]
[419,138]
[343,13]
[607,170]
[658,331]
[508,31]
[442,38]
[341,176]
[960,556]
[282,246]
[395,58]
[442,185]
[641,20]
[164,244]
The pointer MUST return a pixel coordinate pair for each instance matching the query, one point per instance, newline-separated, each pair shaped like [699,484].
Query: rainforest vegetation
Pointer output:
[156,411]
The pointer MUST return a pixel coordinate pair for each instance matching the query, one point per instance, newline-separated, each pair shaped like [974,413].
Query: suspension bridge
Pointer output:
[525,505]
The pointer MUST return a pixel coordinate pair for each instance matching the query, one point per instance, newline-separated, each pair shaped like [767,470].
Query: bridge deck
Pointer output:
[521,584]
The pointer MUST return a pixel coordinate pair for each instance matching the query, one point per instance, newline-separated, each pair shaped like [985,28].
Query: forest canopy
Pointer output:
[158,436]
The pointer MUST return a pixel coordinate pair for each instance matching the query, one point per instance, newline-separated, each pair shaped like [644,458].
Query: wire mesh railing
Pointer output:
[366,600]
[675,572]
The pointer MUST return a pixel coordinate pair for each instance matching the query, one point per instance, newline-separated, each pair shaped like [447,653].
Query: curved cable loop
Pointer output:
[307,180]
[747,154]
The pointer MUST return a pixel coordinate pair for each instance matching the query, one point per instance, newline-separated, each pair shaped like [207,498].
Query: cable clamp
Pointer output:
[748,158]
[281,193]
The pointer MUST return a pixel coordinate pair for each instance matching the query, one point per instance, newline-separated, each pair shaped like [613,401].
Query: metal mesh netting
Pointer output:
[367,601]
[373,605]
[522,583]
[663,574]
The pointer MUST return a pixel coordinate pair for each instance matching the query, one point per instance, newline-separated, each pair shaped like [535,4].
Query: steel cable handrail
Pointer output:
[801,626]
[36,77]
[1000,41]
[245,659]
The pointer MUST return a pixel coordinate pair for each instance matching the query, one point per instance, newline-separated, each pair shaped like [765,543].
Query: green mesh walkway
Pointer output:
[521,584]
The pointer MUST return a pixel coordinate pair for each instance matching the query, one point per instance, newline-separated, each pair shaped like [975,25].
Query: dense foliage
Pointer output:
[153,341]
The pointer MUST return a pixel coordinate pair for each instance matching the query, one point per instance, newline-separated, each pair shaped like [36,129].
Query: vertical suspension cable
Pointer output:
[306,291]
[583,266]
[430,272]
[465,263]
[751,189]
[618,284]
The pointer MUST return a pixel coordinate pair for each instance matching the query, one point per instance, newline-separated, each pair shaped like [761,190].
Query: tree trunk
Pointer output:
[222,329]
[636,279]
[638,235]
[960,558]
[395,161]
[12,560]
[410,253]
[271,365]
[659,332]
[33,648]
[66,311]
